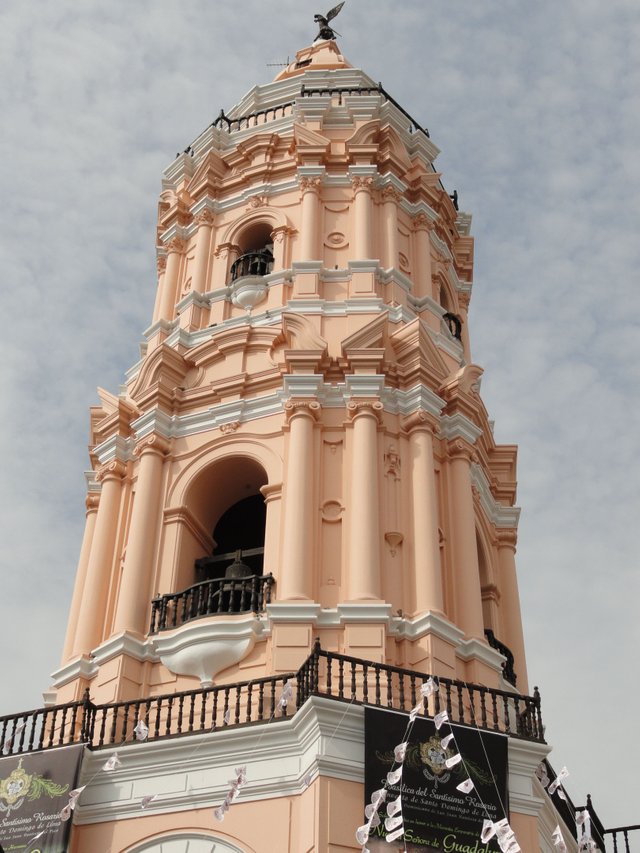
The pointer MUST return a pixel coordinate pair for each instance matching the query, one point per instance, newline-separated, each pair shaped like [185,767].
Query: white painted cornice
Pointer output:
[365,385]
[524,757]
[154,421]
[500,515]
[439,245]
[413,209]
[388,179]
[293,611]
[92,484]
[199,300]
[459,426]
[474,649]
[428,623]
[324,738]
[82,667]
[124,644]
[116,448]
[364,612]
[463,223]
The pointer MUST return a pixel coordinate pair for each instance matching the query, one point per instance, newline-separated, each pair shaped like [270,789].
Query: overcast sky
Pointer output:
[536,109]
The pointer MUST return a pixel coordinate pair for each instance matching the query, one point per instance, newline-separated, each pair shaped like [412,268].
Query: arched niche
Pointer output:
[187,842]
[264,227]
[209,498]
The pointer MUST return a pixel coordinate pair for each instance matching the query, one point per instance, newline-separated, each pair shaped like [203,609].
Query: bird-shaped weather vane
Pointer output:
[326,32]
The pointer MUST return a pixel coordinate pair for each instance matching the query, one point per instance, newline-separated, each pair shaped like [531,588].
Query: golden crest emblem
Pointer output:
[15,787]
[433,755]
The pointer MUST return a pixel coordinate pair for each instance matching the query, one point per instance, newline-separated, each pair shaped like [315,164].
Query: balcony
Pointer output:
[328,674]
[211,598]
[247,286]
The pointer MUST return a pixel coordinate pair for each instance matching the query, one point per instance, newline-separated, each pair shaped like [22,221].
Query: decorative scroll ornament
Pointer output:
[176,245]
[161,264]
[310,184]
[421,222]
[302,407]
[362,183]
[367,407]
[204,217]
[390,194]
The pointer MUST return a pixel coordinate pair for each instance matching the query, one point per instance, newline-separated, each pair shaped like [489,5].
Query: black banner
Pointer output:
[34,788]
[436,814]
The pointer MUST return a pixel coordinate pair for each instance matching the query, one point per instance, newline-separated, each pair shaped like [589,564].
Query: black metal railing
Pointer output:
[508,670]
[252,263]
[253,119]
[620,836]
[327,674]
[307,91]
[351,679]
[210,597]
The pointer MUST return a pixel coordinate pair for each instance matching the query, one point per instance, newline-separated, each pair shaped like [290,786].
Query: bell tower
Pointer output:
[302,450]
[296,496]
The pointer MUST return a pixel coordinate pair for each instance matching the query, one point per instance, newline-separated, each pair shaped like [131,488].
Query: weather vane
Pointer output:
[326,32]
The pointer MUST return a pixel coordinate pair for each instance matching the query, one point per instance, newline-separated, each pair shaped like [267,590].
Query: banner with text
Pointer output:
[34,788]
[436,815]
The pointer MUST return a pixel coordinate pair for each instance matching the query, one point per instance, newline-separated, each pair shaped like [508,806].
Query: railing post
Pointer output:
[88,709]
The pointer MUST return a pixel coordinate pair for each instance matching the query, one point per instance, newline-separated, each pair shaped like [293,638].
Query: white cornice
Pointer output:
[92,484]
[294,611]
[81,667]
[474,649]
[500,515]
[524,758]
[459,426]
[153,421]
[124,644]
[324,738]
[114,448]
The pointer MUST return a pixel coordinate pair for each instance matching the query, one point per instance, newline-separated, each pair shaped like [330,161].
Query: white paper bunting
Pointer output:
[394,776]
[400,751]
[378,796]
[394,806]
[307,780]
[428,688]
[488,831]
[287,693]
[362,833]
[392,823]
[232,794]
[65,814]
[444,743]
[455,759]
[141,730]
[393,835]
[112,763]
[226,719]
[558,840]
[465,786]
[562,775]
[440,719]
[414,713]
[147,800]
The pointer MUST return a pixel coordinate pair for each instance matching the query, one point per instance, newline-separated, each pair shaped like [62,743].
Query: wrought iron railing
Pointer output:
[507,667]
[327,674]
[252,263]
[211,597]
[620,836]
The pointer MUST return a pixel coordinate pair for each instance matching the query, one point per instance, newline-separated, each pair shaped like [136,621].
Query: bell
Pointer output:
[238,569]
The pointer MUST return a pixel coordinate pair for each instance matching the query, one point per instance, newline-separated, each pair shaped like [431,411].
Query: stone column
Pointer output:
[465,550]
[391,198]
[310,228]
[89,632]
[92,504]
[363,216]
[170,279]
[162,268]
[295,580]
[428,595]
[279,236]
[364,522]
[510,605]
[422,280]
[135,593]
[205,221]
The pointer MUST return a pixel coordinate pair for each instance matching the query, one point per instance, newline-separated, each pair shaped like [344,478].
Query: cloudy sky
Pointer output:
[536,109]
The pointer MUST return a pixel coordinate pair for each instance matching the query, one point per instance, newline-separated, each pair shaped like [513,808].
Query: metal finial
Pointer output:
[326,32]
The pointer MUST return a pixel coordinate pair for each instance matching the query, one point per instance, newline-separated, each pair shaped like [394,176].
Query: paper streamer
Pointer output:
[451,762]
[141,730]
[440,719]
[465,786]
[558,840]
[112,763]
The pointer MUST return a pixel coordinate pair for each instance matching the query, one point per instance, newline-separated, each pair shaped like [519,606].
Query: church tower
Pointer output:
[296,505]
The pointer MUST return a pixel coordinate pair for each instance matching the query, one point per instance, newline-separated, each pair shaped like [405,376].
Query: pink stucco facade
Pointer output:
[337,387]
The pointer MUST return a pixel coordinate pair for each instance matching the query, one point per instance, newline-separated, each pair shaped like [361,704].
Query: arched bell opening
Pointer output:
[220,546]
[239,538]
[256,252]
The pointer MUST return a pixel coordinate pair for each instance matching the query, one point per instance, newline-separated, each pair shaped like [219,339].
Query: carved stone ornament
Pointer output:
[176,245]
[161,264]
[420,420]
[111,470]
[459,449]
[366,407]
[92,502]
[362,183]
[331,510]
[391,194]
[231,427]
[204,217]
[421,222]
[310,184]
[392,462]
[225,249]
[152,443]
[278,234]
[311,408]
[258,201]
